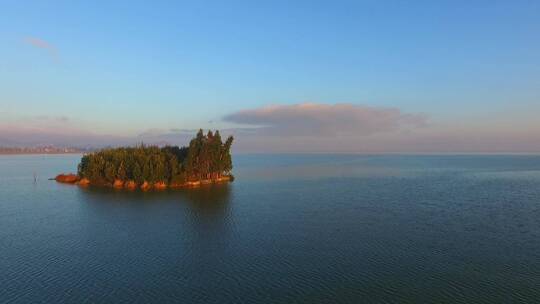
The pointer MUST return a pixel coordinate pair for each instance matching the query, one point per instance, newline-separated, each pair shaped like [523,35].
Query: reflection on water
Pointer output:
[204,197]
[202,210]
[208,198]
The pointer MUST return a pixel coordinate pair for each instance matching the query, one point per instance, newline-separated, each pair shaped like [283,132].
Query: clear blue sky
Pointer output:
[136,65]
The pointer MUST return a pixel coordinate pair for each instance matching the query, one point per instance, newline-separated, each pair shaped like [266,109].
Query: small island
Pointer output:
[206,160]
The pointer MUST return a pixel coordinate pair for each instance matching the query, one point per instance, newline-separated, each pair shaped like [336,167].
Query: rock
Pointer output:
[131,185]
[118,184]
[84,182]
[193,184]
[67,178]
[160,186]
[145,186]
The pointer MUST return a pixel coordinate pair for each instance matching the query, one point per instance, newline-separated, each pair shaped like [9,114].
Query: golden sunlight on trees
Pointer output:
[206,158]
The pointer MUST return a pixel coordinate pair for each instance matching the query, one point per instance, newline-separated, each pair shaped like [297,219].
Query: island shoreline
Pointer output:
[73,179]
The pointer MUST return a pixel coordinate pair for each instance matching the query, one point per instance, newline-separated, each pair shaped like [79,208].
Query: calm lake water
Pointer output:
[290,229]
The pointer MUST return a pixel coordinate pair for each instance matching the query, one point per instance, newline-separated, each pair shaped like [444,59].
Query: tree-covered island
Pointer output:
[206,160]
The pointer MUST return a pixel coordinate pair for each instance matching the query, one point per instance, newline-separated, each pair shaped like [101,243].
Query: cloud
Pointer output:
[42,44]
[163,133]
[58,130]
[326,120]
[342,128]
[348,128]
[179,136]
[58,123]
[61,119]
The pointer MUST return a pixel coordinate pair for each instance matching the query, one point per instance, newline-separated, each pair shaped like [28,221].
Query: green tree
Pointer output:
[206,157]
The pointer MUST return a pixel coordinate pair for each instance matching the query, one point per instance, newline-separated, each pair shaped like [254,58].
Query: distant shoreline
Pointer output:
[6,150]
[40,153]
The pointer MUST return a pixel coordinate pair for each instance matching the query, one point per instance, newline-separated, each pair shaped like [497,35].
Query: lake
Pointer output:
[290,229]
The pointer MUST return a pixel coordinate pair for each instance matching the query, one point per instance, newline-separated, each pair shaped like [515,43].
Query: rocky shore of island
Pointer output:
[74,179]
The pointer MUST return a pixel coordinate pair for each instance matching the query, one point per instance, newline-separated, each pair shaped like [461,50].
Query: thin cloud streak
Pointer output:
[44,45]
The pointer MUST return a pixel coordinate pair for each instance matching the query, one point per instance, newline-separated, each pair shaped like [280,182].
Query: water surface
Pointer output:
[290,229]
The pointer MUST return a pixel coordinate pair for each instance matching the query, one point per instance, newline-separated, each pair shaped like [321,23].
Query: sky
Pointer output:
[281,76]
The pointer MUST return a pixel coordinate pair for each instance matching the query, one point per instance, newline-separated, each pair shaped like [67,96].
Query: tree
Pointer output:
[138,174]
[121,173]
[227,159]
[207,157]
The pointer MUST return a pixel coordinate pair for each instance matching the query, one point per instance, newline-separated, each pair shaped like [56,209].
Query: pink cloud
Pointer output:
[352,128]
[42,44]
[312,119]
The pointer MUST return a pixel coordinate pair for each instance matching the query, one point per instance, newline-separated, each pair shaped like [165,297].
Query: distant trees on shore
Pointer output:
[207,157]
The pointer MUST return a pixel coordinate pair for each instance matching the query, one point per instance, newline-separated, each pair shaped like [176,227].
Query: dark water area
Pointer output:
[290,229]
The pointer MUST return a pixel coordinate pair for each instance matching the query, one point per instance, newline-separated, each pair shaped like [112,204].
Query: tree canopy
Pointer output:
[207,157]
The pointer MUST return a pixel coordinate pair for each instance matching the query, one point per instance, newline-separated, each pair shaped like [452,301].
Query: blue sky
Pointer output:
[122,69]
